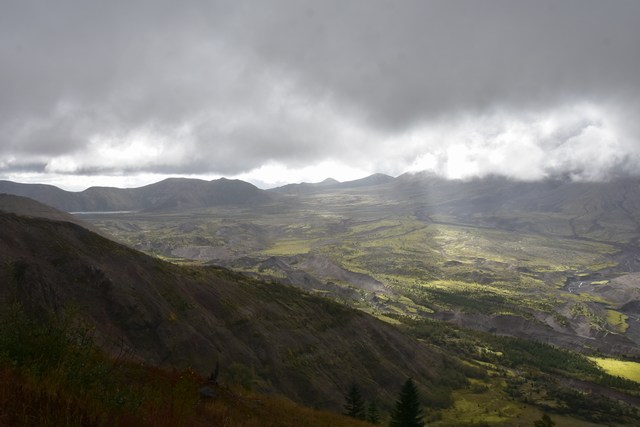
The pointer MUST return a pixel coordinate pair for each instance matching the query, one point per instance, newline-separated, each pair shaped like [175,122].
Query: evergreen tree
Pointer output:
[408,412]
[354,404]
[545,421]
[373,415]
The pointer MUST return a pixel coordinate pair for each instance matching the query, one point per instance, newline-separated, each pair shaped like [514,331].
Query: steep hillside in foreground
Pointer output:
[303,346]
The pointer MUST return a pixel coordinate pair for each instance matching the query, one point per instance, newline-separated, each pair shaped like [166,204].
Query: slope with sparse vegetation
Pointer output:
[304,346]
[270,337]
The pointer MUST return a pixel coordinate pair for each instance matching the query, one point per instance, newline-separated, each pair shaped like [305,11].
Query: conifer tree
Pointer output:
[354,404]
[408,411]
[373,415]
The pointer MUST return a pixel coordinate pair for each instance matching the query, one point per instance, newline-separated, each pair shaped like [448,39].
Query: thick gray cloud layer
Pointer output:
[464,88]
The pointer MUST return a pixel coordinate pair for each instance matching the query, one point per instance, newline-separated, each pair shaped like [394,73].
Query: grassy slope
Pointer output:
[52,374]
[621,368]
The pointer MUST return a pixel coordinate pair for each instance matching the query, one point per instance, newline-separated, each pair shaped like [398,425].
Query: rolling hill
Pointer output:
[169,194]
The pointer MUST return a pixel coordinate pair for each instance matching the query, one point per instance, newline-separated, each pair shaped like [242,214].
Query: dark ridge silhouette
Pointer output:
[169,194]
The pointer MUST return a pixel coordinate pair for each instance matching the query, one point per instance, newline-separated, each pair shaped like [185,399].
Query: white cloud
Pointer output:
[277,174]
[581,140]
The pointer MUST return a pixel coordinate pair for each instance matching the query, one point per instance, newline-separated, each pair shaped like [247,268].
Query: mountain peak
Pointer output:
[329,181]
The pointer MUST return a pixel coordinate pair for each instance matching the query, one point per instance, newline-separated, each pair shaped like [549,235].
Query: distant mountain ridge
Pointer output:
[490,201]
[330,183]
[173,194]
[169,194]
[604,211]
[585,209]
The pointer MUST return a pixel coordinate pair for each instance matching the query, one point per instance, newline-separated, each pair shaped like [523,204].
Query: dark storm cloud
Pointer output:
[225,87]
[402,61]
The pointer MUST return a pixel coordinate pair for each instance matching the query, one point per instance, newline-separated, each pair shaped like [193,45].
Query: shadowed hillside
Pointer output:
[303,346]
[29,207]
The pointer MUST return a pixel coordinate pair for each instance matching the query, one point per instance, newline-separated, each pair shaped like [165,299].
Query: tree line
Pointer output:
[407,411]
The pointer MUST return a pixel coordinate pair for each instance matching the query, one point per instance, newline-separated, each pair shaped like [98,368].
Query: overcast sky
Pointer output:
[125,93]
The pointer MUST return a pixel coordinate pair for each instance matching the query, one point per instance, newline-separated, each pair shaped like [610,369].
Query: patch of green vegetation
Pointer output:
[550,395]
[619,368]
[580,309]
[536,252]
[617,321]
[289,247]
[484,402]
[524,377]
